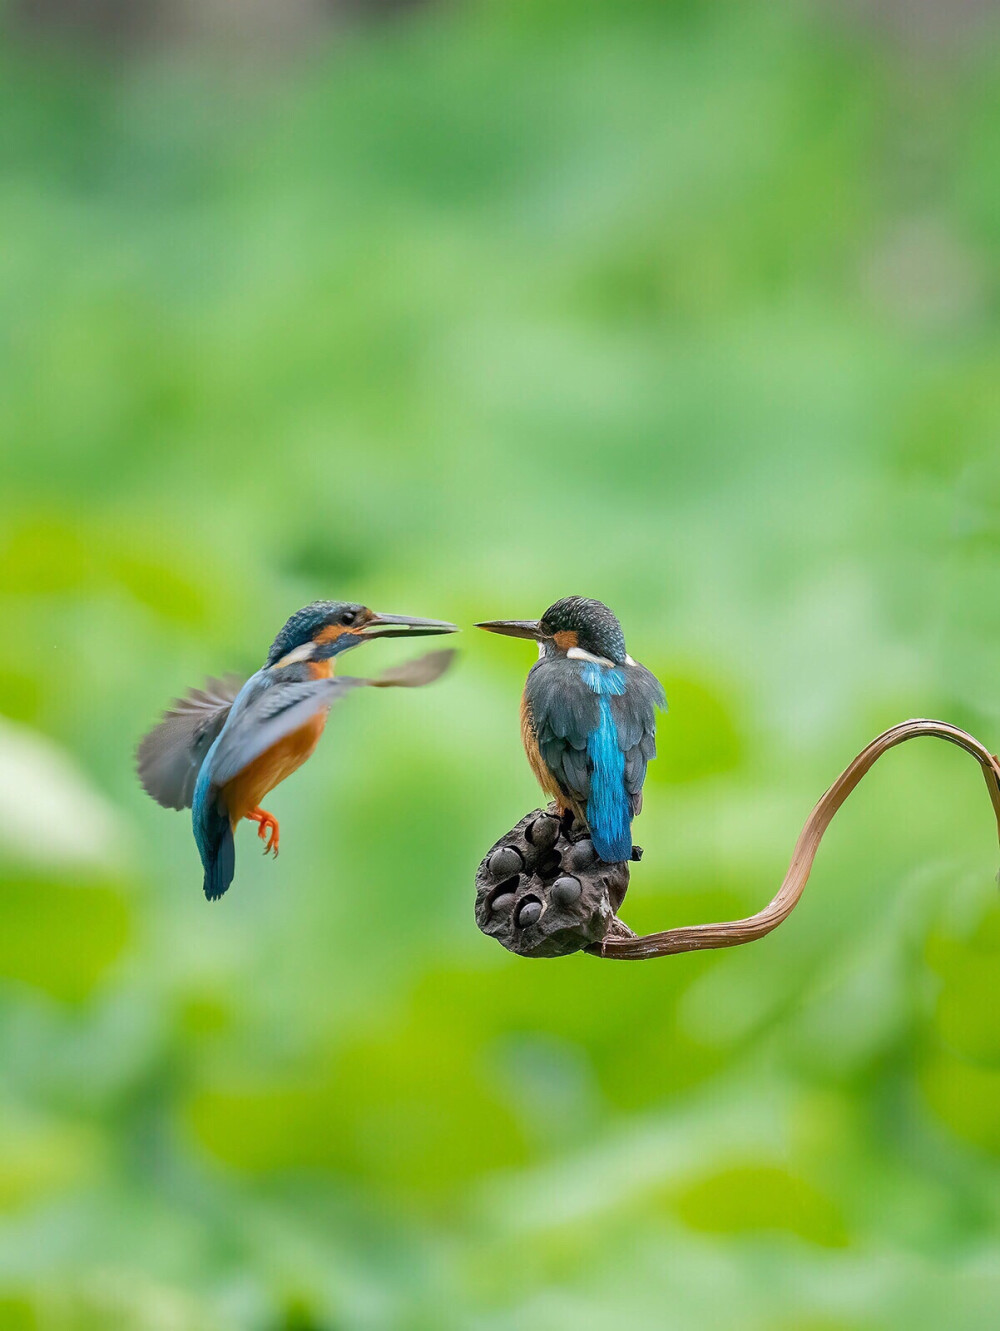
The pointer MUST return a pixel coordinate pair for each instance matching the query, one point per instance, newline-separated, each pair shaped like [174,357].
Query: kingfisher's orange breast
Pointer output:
[529,739]
[248,788]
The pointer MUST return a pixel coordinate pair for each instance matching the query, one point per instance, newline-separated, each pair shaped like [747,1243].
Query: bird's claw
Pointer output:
[267,827]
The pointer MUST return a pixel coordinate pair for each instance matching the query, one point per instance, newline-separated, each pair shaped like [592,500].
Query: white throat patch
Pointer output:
[578,654]
[304,652]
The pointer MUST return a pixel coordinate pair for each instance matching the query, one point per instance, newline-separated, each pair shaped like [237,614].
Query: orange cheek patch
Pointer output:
[566,639]
[330,633]
[334,631]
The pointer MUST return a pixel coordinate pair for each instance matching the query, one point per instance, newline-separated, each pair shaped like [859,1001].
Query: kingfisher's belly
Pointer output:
[248,788]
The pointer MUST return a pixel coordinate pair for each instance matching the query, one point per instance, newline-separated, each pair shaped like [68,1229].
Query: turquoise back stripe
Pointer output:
[609,809]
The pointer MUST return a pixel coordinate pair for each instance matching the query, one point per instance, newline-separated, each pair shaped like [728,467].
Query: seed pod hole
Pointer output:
[543,833]
[529,912]
[502,896]
[565,891]
[548,864]
[505,862]
[582,855]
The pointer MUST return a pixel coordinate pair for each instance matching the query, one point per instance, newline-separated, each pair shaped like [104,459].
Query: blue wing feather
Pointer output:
[609,807]
[270,712]
[564,712]
[170,755]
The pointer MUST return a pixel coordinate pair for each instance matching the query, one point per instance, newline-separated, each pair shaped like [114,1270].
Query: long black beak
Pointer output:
[515,628]
[404,626]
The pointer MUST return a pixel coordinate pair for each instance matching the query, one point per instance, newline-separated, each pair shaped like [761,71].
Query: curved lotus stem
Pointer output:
[732,933]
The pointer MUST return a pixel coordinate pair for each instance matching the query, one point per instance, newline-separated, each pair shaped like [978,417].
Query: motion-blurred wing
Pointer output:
[416,673]
[169,756]
[270,709]
[272,713]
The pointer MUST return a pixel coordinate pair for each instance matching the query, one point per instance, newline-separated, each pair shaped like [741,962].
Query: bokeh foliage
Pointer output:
[690,307]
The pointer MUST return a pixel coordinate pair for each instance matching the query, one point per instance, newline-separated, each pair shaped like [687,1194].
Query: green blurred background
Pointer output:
[456,309]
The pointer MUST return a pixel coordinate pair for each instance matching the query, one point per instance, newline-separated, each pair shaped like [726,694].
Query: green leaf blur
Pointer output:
[689,307]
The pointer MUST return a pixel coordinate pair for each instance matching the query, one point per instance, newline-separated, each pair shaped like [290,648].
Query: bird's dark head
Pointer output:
[578,621]
[328,628]
[575,622]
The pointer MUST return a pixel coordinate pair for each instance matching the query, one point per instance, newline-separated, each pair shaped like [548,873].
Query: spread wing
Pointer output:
[169,756]
[271,708]
[565,711]
[634,712]
[268,713]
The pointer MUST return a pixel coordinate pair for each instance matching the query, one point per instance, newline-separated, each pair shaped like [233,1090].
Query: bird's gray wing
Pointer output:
[271,708]
[414,674]
[269,714]
[169,756]
[634,712]
[564,710]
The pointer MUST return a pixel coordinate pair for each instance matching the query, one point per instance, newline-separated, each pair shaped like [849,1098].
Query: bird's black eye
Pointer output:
[348,617]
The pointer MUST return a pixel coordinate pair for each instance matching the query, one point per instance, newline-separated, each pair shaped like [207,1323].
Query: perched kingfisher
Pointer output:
[219,750]
[588,718]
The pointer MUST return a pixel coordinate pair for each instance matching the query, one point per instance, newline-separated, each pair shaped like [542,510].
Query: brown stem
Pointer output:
[734,932]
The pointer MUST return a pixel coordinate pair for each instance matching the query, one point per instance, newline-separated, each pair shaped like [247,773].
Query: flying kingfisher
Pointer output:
[588,718]
[220,749]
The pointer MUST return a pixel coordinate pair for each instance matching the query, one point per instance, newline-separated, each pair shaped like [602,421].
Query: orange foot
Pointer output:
[268,827]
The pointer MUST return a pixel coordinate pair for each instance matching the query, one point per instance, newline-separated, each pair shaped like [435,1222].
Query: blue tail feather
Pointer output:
[213,834]
[220,862]
[609,807]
